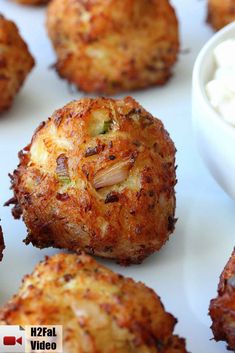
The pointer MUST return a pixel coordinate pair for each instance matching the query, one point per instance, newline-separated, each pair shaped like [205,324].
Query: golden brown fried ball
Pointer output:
[15,62]
[100,311]
[98,176]
[2,245]
[107,46]
[220,13]
[222,309]
[33,2]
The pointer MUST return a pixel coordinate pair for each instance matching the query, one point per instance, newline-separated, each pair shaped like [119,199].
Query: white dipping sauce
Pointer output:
[221,89]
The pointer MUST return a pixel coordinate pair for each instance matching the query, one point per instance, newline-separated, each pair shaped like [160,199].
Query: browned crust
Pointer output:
[117,46]
[100,311]
[220,13]
[15,62]
[222,308]
[2,244]
[32,2]
[127,222]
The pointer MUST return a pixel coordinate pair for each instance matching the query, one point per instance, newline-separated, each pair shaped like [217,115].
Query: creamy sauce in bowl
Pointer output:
[221,89]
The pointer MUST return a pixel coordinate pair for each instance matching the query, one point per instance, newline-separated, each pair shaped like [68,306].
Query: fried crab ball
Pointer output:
[108,46]
[220,13]
[100,310]
[98,176]
[222,308]
[32,2]
[15,62]
[2,245]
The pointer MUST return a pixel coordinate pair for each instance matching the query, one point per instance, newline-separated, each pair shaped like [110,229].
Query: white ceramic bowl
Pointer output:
[215,137]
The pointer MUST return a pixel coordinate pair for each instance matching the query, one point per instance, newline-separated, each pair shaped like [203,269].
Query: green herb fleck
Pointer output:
[64,179]
[106,126]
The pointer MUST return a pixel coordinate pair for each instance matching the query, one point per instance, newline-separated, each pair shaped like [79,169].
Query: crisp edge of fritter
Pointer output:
[106,87]
[17,210]
[20,42]
[173,343]
[219,17]
[221,308]
[32,3]
[2,244]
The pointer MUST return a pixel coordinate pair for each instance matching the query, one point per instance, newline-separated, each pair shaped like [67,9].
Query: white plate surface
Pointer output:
[185,272]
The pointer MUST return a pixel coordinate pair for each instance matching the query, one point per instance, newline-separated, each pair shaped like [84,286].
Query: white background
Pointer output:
[185,272]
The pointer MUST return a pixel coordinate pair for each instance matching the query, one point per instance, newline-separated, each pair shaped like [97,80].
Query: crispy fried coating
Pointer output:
[15,62]
[98,176]
[100,311]
[220,13]
[32,2]
[222,308]
[108,46]
[2,244]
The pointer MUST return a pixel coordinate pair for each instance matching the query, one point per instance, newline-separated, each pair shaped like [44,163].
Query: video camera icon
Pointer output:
[12,339]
